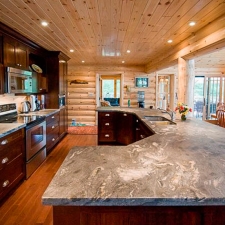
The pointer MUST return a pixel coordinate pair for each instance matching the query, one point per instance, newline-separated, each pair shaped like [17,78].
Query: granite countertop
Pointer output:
[182,164]
[8,128]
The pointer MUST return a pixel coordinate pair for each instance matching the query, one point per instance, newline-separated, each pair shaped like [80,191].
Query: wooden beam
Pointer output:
[208,39]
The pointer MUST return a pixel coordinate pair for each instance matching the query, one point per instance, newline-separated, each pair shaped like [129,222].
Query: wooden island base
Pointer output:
[156,215]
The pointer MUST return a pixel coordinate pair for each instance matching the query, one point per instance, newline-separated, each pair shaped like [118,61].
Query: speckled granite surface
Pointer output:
[181,164]
[8,128]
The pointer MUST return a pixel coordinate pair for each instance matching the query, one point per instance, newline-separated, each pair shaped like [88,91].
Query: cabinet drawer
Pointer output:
[6,141]
[52,127]
[52,138]
[7,155]
[106,125]
[53,117]
[10,176]
[106,136]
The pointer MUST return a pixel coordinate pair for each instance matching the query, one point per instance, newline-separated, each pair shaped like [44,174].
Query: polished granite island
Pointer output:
[175,176]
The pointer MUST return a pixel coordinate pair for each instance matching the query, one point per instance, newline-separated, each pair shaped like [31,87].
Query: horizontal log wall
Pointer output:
[81,99]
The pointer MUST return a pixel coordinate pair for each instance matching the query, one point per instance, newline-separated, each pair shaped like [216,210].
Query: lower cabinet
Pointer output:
[141,130]
[106,128]
[52,130]
[120,128]
[125,128]
[62,123]
[12,161]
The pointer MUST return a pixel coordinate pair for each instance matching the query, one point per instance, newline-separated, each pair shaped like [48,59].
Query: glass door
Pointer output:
[208,93]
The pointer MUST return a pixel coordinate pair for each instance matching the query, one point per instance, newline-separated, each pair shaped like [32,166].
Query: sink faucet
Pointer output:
[171,113]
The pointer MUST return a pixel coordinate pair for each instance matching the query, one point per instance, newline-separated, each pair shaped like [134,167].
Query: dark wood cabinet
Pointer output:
[141,130]
[121,128]
[15,53]
[56,64]
[62,122]
[52,130]
[1,48]
[106,127]
[12,158]
[125,128]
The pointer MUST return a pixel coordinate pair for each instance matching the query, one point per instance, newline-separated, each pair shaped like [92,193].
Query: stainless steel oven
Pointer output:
[35,146]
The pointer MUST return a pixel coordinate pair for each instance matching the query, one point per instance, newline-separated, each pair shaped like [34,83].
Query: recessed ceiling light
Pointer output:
[170,41]
[44,23]
[192,23]
[71,50]
[83,61]
[123,61]
[128,51]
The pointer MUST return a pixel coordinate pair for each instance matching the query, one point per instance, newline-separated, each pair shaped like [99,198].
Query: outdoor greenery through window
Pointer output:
[111,88]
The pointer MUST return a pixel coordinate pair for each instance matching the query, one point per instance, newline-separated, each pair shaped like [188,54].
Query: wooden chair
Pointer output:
[220,114]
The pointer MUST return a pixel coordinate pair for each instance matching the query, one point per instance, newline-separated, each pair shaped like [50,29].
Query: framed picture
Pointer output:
[141,82]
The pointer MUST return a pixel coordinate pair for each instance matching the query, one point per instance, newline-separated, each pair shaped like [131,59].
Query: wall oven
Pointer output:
[18,81]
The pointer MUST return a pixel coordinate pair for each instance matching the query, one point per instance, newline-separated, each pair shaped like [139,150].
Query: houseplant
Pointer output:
[183,110]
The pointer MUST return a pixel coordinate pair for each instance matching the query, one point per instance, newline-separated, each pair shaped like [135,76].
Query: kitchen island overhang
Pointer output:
[180,165]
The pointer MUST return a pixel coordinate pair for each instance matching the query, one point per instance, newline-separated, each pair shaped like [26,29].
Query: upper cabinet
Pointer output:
[1,49]
[15,53]
[56,66]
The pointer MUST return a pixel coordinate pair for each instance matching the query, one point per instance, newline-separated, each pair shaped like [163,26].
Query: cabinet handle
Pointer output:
[5,160]
[5,183]
[4,142]
[136,121]
[53,139]
[53,117]
[107,135]
[107,114]
[142,136]
[53,127]
[124,114]
[107,124]
[137,128]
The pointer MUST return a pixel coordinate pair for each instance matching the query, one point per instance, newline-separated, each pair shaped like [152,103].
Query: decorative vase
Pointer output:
[183,117]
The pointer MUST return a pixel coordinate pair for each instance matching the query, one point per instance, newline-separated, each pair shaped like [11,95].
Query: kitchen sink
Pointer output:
[159,120]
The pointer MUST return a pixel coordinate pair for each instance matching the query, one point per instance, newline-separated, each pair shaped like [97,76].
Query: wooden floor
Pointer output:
[24,205]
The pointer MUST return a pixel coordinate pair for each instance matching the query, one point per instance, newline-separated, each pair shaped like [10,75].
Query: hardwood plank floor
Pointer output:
[24,205]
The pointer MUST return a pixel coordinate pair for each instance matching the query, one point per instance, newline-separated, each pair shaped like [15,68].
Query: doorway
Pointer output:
[208,92]
[109,87]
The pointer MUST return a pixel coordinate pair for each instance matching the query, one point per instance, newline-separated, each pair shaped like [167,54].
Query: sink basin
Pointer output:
[159,120]
[156,118]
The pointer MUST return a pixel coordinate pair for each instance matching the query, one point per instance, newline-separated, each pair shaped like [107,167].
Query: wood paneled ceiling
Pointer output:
[101,31]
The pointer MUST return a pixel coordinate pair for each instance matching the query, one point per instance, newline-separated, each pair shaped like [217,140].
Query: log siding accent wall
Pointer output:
[81,98]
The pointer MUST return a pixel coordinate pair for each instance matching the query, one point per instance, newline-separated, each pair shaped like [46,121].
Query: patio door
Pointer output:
[208,92]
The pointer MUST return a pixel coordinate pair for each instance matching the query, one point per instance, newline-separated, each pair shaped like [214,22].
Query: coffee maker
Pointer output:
[141,99]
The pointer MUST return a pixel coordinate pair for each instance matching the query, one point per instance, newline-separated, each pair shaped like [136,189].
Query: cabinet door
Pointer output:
[21,56]
[141,130]
[125,128]
[62,122]
[9,53]
[1,49]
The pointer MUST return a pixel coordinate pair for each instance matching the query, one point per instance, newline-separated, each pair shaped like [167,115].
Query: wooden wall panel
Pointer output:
[82,97]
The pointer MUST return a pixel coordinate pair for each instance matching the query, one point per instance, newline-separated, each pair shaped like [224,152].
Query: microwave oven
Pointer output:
[18,81]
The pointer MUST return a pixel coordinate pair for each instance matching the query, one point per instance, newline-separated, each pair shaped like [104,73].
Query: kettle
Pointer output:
[25,107]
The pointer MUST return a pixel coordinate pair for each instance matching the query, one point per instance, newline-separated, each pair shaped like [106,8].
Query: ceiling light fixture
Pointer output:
[44,23]
[71,50]
[83,61]
[128,51]
[170,41]
[192,23]
[123,61]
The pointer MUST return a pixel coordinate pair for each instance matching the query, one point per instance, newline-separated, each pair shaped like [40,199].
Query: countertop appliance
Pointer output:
[33,100]
[25,107]
[18,81]
[35,135]
[141,99]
